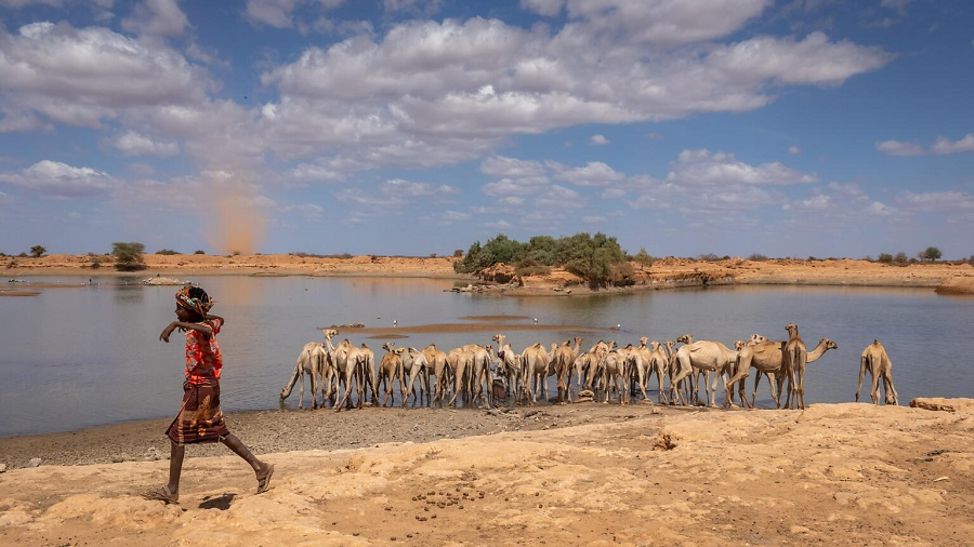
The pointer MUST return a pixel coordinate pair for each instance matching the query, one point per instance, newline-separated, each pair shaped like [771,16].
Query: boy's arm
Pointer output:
[201,327]
[218,318]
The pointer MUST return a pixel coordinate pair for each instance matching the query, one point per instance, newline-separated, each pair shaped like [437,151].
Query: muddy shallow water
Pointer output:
[86,356]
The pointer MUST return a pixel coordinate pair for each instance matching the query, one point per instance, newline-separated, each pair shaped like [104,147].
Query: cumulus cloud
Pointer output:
[946,146]
[446,91]
[900,148]
[136,144]
[594,173]
[157,18]
[60,179]
[598,140]
[705,168]
[942,146]
[794,150]
[942,201]
[81,76]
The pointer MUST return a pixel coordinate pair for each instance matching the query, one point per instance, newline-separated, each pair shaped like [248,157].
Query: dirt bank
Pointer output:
[663,274]
[843,473]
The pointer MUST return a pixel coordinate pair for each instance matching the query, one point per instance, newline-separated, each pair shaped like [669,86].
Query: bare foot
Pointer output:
[264,478]
[163,494]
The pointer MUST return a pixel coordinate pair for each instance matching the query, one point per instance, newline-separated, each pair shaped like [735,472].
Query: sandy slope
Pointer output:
[844,473]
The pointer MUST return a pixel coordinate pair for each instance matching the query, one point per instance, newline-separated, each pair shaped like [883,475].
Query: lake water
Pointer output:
[78,357]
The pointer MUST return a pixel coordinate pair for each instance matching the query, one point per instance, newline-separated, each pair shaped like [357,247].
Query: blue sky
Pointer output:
[789,128]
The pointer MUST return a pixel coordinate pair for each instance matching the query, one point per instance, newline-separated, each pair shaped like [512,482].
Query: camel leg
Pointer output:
[863,362]
[888,379]
[345,398]
[642,382]
[874,392]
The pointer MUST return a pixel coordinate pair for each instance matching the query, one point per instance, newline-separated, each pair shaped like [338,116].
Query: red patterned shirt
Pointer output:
[204,361]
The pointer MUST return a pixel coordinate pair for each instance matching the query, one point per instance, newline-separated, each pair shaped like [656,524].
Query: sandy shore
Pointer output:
[836,473]
[663,274]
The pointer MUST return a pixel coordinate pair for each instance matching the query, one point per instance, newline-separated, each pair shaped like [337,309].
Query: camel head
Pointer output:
[685,338]
[739,345]
[643,340]
[757,339]
[497,338]
[329,333]
[655,345]
[792,329]
[387,346]
[829,344]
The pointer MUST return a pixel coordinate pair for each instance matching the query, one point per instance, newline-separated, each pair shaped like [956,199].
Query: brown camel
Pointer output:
[766,356]
[793,363]
[875,360]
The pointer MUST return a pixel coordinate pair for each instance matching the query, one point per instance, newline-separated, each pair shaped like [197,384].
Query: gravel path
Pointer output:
[271,431]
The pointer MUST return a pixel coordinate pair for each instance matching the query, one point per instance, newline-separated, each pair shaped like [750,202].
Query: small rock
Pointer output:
[33,462]
[796,529]
[3,468]
[152,454]
[119,458]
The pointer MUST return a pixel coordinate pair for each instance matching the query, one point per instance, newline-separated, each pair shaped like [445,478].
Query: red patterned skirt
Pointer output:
[200,419]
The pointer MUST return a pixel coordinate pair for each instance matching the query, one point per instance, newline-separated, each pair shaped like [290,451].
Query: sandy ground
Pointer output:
[664,273]
[835,474]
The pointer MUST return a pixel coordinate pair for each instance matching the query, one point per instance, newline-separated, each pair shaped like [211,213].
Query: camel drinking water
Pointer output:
[876,361]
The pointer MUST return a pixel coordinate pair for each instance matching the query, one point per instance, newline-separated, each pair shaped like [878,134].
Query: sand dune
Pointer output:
[837,473]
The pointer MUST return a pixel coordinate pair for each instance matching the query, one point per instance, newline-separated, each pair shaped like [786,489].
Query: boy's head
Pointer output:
[192,304]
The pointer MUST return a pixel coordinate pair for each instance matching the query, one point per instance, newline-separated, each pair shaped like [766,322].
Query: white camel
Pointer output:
[712,358]
[876,361]
[309,362]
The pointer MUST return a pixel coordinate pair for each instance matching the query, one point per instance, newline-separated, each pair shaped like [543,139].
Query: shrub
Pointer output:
[642,257]
[621,274]
[932,254]
[530,266]
[709,257]
[199,252]
[167,252]
[886,258]
[901,259]
[346,256]
[758,257]
[128,256]
[22,255]
[95,263]
[37,251]
[458,253]
[588,256]
[433,255]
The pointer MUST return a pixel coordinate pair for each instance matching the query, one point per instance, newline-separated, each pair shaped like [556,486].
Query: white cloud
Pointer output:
[944,145]
[440,92]
[417,7]
[307,172]
[932,202]
[60,179]
[136,144]
[898,5]
[594,173]
[666,22]
[794,150]
[594,219]
[899,148]
[705,168]
[598,140]
[500,166]
[157,18]
[81,76]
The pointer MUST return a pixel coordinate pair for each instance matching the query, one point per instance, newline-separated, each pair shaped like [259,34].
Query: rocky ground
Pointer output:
[598,475]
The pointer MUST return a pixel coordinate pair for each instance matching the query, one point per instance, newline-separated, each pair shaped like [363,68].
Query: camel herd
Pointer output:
[484,375]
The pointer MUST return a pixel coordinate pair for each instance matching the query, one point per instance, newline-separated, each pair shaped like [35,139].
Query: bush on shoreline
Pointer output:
[598,258]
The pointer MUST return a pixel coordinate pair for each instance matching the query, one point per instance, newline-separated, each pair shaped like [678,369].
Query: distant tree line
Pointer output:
[598,259]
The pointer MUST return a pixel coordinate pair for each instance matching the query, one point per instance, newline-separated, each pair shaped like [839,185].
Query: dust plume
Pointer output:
[237,223]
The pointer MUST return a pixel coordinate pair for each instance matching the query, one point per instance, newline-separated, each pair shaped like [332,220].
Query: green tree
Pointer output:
[37,251]
[886,258]
[128,256]
[901,259]
[644,258]
[932,254]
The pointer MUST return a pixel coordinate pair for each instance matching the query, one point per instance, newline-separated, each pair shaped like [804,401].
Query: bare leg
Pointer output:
[176,455]
[261,469]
